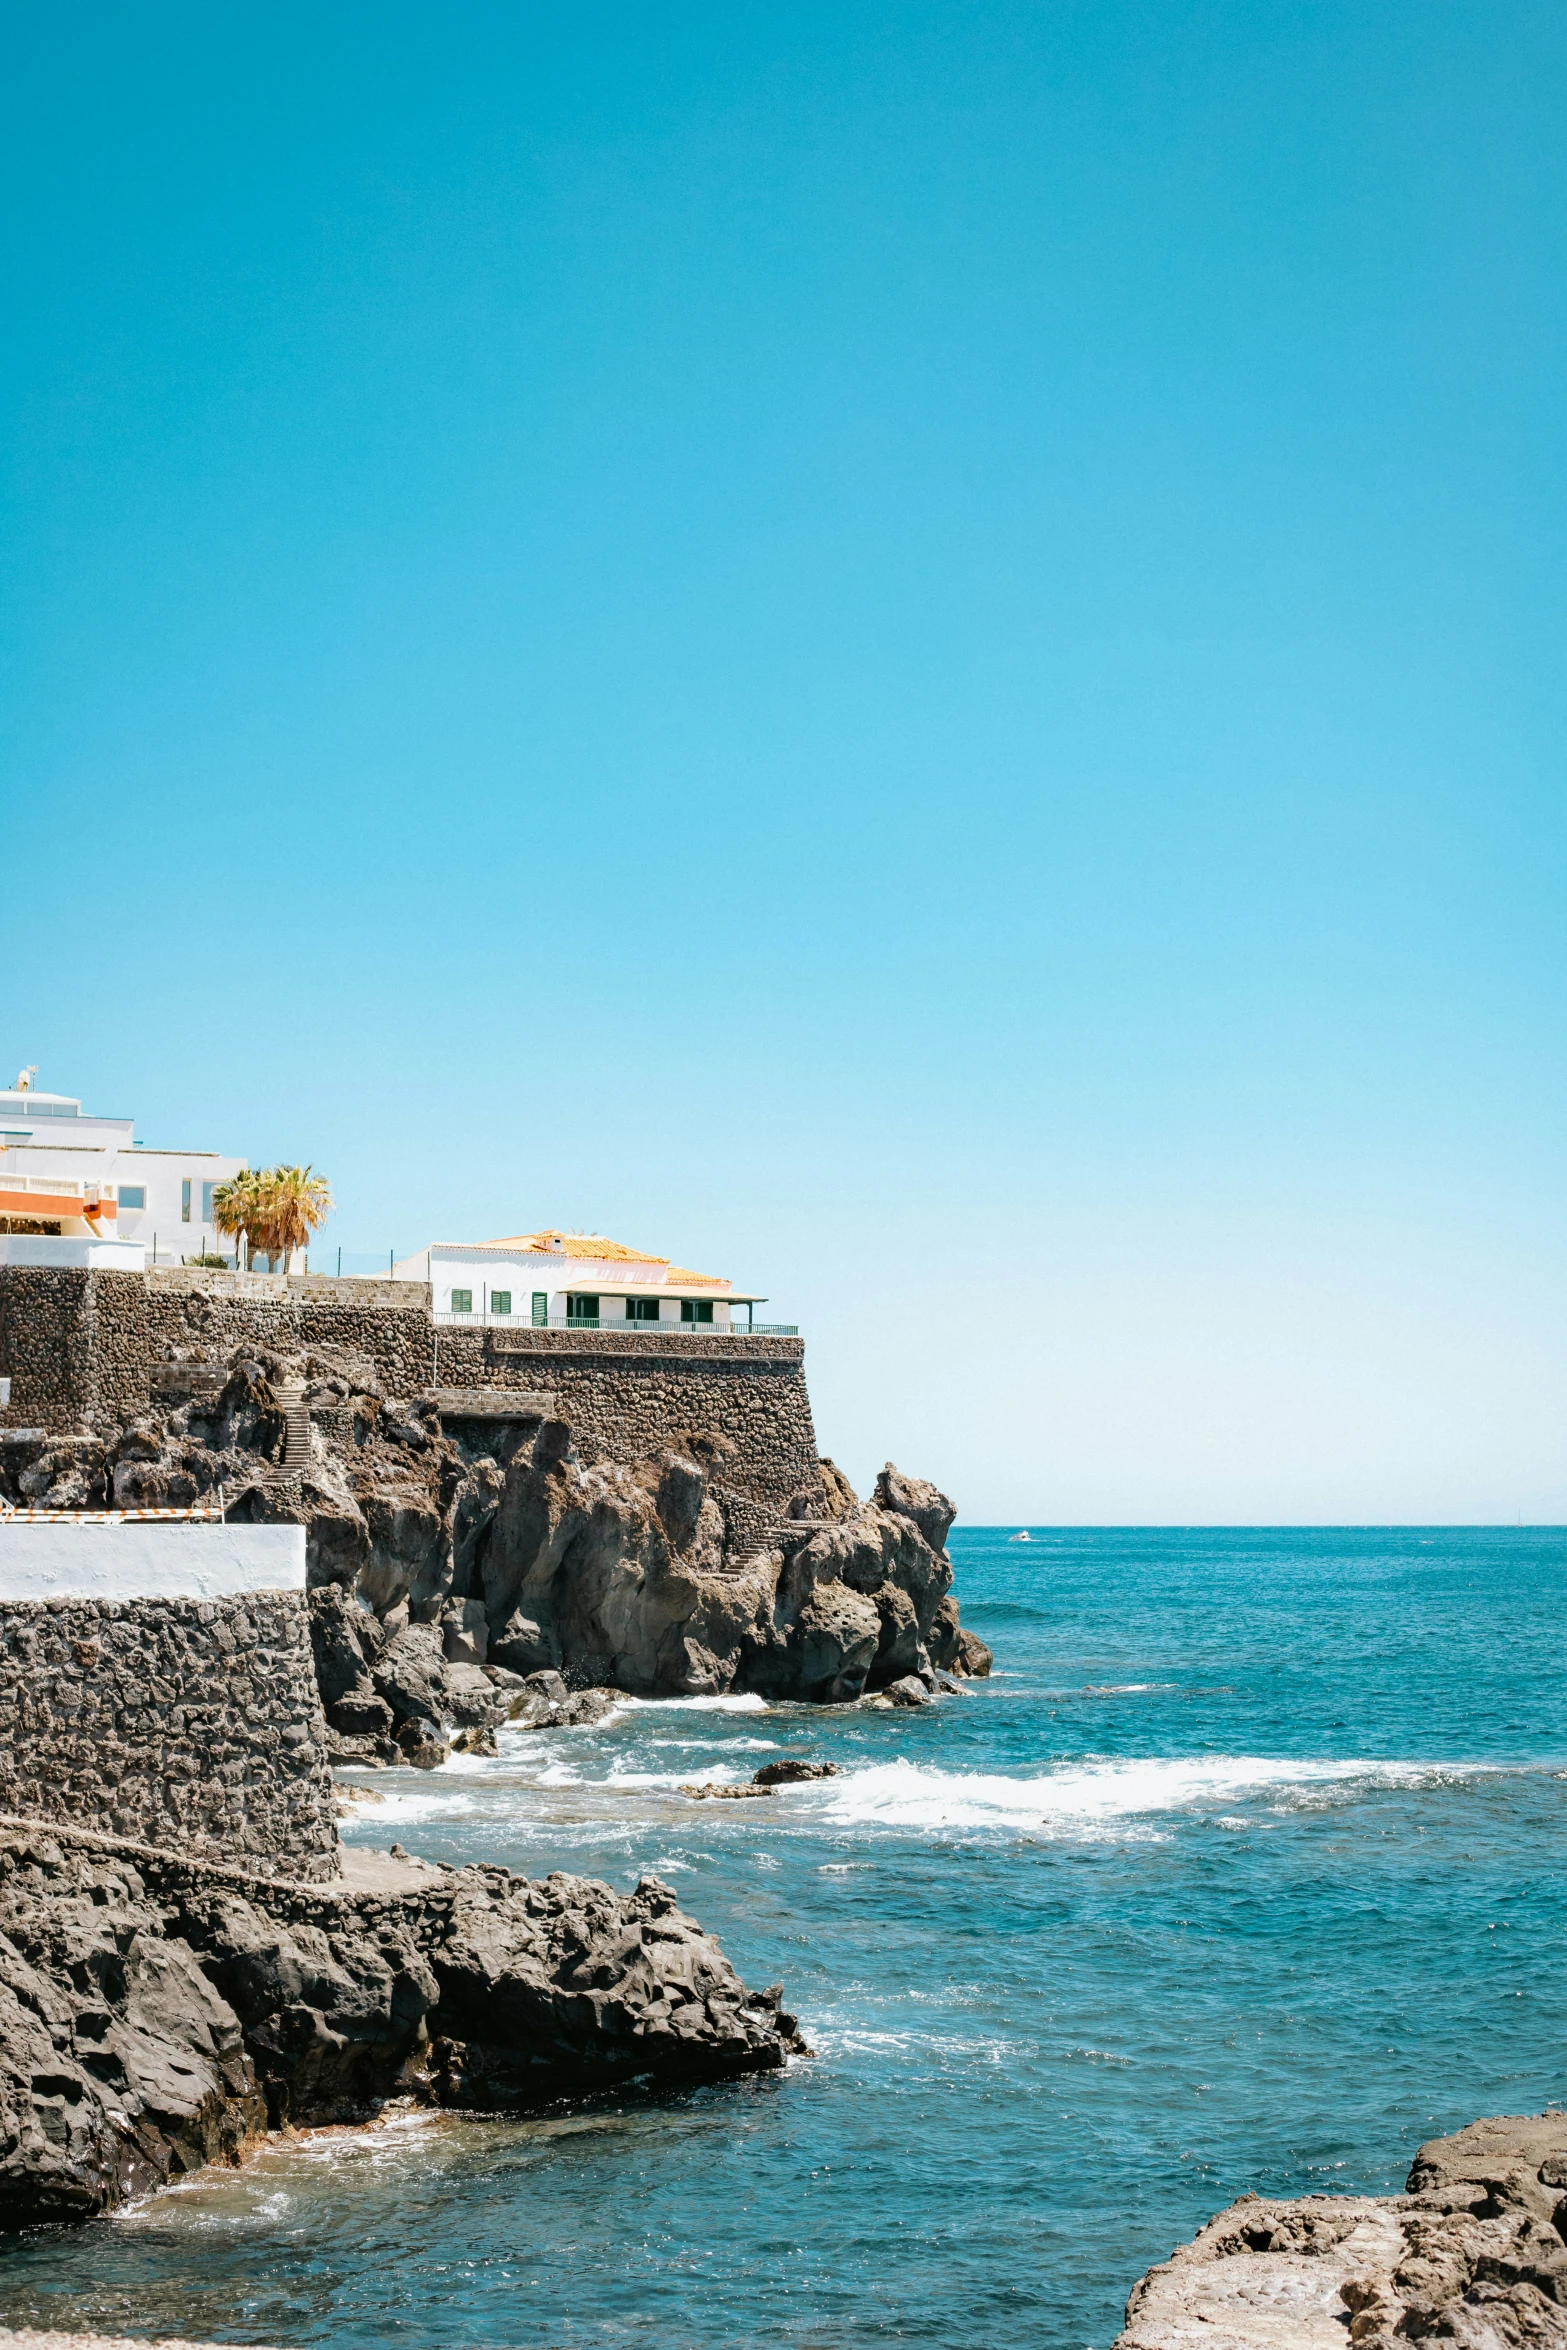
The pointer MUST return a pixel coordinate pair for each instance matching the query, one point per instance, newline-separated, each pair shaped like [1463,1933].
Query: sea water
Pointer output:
[1244,1869]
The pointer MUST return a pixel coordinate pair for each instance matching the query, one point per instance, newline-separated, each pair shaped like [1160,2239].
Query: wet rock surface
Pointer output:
[1473,2253]
[158,2013]
[11,2340]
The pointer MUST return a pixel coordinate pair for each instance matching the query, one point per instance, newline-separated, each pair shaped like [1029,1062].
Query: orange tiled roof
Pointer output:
[578,1244]
[593,1247]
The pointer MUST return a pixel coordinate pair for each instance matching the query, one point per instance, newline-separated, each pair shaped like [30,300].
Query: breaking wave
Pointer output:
[1081,1797]
[714,1705]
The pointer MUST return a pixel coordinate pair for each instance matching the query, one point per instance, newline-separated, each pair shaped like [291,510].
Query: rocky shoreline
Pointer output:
[1473,2253]
[161,2012]
[456,1587]
[160,2009]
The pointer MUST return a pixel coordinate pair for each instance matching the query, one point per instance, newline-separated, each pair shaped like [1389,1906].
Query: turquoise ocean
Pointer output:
[1244,1870]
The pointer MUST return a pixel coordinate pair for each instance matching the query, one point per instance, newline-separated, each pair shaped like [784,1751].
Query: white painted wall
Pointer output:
[48,1137]
[148,1560]
[41,1248]
[522,1276]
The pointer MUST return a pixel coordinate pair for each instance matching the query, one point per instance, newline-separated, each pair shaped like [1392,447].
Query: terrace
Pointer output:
[642,1325]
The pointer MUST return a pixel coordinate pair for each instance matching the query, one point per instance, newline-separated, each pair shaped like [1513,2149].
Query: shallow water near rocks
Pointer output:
[1244,1871]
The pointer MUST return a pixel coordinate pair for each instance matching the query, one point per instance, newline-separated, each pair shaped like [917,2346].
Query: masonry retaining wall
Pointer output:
[92,1347]
[192,1724]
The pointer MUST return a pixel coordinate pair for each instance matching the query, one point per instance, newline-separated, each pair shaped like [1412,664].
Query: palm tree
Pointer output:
[237,1206]
[275,1209]
[297,1203]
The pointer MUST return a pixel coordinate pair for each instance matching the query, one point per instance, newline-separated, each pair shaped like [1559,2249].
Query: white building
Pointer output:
[81,1190]
[573,1281]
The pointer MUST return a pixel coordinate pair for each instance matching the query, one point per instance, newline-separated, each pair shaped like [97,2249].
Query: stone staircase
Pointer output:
[296,1439]
[296,1416]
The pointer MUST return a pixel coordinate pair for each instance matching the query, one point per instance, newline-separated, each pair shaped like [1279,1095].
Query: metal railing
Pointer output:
[661,1329]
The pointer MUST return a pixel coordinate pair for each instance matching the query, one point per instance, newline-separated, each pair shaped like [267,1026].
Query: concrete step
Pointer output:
[296,1423]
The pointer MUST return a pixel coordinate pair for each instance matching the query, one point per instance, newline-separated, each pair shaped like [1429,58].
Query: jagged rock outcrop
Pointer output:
[394,1691]
[157,2013]
[464,1579]
[618,1575]
[1473,2253]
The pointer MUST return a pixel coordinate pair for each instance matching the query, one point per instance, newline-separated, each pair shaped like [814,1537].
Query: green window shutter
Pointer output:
[500,1301]
[462,1301]
[541,1309]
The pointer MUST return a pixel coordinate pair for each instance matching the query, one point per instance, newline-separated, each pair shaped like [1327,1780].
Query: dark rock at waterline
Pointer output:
[395,1692]
[700,1792]
[585,1581]
[1473,2254]
[421,1745]
[953,1650]
[157,2013]
[790,1768]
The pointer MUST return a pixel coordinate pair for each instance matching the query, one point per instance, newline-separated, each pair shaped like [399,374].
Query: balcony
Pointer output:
[663,1328]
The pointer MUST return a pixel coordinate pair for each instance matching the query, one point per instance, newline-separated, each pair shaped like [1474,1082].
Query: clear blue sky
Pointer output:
[911,653]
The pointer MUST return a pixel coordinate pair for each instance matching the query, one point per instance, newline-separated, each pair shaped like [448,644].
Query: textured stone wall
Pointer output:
[191,1724]
[83,1346]
[627,1396]
[90,1346]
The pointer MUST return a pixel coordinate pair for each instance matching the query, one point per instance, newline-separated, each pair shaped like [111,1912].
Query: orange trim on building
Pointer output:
[41,1203]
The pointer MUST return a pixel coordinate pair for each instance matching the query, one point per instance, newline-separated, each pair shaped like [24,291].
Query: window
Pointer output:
[185,1201]
[641,1309]
[207,1191]
[500,1301]
[583,1310]
[462,1301]
[696,1309]
[541,1309]
[133,1195]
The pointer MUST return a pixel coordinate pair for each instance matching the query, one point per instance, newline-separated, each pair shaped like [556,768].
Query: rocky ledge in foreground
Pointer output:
[160,2013]
[1473,2253]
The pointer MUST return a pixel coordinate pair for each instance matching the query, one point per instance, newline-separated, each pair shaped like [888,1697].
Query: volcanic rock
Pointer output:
[1472,2254]
[704,1794]
[158,2012]
[790,1768]
[612,1574]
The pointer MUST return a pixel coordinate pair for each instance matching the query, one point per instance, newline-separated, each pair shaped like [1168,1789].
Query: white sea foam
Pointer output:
[715,1705]
[724,1745]
[1081,1798]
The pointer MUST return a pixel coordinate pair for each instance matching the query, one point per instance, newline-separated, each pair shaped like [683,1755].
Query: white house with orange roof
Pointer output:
[573,1281]
[79,1189]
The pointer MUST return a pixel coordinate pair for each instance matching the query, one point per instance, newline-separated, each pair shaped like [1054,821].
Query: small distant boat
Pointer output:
[1022,1535]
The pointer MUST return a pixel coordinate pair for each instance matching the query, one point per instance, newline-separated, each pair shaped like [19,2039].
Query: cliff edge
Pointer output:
[540,1555]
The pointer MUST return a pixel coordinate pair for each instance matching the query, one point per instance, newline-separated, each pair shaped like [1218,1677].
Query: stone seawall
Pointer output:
[193,1724]
[632,1394]
[83,1346]
[96,1348]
